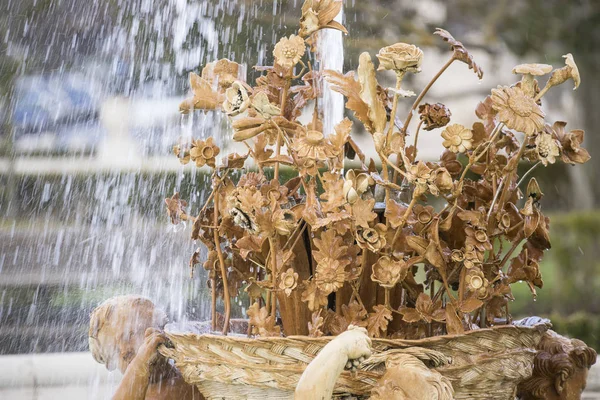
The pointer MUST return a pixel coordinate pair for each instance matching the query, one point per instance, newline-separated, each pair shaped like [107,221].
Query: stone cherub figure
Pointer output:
[125,332]
[560,368]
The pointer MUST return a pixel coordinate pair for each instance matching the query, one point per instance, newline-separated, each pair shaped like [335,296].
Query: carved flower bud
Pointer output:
[401,58]
[569,71]
[236,99]
[546,148]
[434,115]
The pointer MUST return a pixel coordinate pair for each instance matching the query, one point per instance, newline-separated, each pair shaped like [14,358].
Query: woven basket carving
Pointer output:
[481,364]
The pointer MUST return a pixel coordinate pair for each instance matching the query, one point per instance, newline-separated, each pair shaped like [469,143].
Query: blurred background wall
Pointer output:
[88,115]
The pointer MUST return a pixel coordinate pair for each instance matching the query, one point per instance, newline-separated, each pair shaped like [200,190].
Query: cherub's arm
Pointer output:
[137,376]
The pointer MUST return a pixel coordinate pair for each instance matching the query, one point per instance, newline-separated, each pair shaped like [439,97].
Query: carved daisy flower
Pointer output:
[204,152]
[330,275]
[401,58]
[313,145]
[288,51]
[517,110]
[546,148]
[388,272]
[288,281]
[457,138]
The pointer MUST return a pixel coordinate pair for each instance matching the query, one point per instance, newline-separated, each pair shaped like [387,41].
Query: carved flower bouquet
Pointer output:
[407,248]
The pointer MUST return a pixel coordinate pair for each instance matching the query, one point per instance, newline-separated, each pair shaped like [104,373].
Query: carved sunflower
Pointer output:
[400,58]
[204,152]
[517,110]
[330,275]
[457,138]
[288,51]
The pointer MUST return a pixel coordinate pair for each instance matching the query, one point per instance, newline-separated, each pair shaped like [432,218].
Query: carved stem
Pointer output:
[226,299]
[273,245]
[399,78]
[416,140]
[423,93]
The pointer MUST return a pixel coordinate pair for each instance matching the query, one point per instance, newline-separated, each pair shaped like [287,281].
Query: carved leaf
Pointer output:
[315,325]
[453,323]
[363,212]
[368,93]
[418,244]
[377,322]
[349,87]
[394,212]
[260,319]
[313,296]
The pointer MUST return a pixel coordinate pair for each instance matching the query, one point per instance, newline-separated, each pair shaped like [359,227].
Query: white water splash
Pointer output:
[330,52]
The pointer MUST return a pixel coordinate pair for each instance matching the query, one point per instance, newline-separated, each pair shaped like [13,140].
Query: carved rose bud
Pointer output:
[434,115]
[236,99]
[288,281]
[457,138]
[289,51]
[401,58]
[204,152]
[372,238]
[388,272]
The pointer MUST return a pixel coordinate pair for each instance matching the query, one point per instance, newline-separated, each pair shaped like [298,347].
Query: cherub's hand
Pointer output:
[147,354]
[357,342]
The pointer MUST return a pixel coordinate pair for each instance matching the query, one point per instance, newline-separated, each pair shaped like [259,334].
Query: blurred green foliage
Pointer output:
[571,272]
